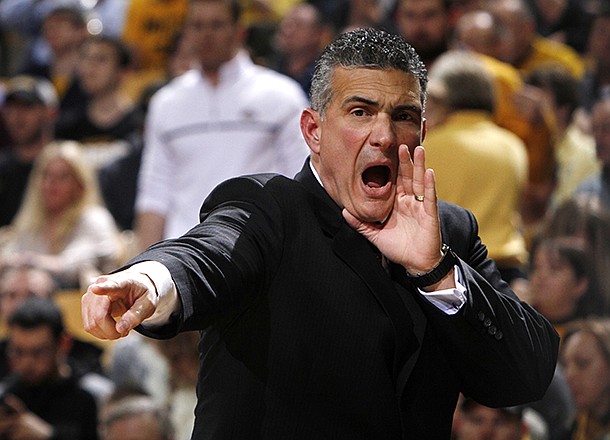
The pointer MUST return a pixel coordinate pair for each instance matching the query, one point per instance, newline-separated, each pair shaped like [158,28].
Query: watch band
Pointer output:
[438,272]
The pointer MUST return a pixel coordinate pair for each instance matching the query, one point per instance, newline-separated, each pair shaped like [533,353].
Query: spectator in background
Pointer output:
[474,421]
[24,18]
[110,120]
[599,183]
[565,21]
[526,49]
[426,25]
[44,399]
[30,110]
[596,82]
[518,109]
[62,226]
[585,354]
[133,415]
[574,148]
[17,284]
[563,282]
[229,112]
[64,30]
[118,179]
[146,26]
[260,18]
[148,30]
[300,38]
[479,165]
[352,14]
[584,217]
[20,284]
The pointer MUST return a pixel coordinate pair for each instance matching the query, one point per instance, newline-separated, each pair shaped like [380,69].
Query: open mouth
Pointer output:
[376,177]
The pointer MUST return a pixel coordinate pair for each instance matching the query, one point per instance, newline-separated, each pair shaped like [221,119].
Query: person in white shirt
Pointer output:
[227,118]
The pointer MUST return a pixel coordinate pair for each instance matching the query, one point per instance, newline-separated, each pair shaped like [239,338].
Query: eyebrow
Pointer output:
[360,99]
[352,99]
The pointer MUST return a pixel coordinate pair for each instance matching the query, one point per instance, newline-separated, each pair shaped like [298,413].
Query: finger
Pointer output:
[96,316]
[430,198]
[404,182]
[141,309]
[419,171]
[112,286]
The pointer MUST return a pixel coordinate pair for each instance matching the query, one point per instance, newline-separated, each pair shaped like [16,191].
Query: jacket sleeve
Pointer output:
[220,266]
[504,351]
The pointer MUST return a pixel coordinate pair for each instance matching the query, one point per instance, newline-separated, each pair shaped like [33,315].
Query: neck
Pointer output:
[213,76]
[212,72]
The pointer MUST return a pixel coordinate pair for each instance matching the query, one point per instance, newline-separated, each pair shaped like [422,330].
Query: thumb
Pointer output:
[368,230]
[351,220]
[141,309]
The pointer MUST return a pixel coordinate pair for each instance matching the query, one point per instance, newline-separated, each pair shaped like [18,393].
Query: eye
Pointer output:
[359,112]
[404,116]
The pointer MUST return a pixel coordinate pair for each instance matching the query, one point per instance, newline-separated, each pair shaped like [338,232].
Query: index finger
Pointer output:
[96,310]
[404,181]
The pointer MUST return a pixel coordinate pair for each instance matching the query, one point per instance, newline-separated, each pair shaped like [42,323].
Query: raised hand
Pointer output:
[410,236]
[115,304]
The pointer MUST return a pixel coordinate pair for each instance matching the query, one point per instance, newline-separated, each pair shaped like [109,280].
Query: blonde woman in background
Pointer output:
[62,226]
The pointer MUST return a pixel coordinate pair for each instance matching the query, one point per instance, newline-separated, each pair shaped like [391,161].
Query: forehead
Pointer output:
[30,336]
[422,5]
[387,87]
[99,45]
[582,343]
[203,9]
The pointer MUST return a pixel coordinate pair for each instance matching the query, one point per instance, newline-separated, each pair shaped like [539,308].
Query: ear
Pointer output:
[311,130]
[424,128]
[581,288]
[65,343]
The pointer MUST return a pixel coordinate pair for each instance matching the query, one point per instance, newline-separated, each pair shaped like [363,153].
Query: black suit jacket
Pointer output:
[306,336]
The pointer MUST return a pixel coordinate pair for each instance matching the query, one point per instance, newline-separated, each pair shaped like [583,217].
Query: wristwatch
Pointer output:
[438,272]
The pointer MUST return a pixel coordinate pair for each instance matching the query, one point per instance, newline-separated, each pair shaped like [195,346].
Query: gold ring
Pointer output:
[419,198]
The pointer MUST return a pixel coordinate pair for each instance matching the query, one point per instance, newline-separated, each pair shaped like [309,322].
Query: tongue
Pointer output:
[375,177]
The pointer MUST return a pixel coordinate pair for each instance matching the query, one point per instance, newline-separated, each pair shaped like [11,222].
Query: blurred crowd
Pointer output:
[118,117]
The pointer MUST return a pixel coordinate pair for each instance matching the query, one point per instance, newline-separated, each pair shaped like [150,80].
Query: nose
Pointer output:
[383,134]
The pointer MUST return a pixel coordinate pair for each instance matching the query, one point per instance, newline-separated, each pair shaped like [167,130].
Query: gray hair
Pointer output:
[134,406]
[364,48]
[466,82]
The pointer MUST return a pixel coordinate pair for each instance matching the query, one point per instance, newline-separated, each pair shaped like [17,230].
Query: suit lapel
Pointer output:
[357,253]
[398,304]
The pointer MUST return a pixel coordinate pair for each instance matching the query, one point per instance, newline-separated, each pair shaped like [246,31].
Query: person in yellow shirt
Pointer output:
[479,165]
[518,108]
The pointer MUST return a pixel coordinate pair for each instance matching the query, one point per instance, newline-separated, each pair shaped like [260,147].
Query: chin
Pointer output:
[379,215]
